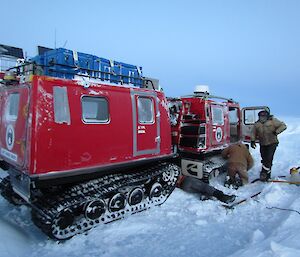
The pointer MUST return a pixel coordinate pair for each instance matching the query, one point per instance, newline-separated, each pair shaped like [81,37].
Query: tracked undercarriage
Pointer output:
[80,207]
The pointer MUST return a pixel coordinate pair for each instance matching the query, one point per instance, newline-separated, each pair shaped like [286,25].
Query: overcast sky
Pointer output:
[245,49]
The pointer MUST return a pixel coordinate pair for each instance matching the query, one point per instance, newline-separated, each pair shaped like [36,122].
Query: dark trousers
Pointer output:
[267,154]
[194,185]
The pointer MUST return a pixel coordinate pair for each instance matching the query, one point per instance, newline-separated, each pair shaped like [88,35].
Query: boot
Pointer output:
[229,182]
[237,183]
[233,183]
[204,198]
[265,175]
[223,197]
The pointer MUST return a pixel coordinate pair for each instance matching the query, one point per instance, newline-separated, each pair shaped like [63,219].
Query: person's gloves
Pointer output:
[253,144]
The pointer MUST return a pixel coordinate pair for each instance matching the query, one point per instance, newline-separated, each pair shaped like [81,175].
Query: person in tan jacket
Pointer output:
[239,162]
[265,130]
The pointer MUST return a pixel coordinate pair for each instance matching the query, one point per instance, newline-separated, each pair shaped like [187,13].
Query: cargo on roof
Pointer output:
[11,51]
[64,63]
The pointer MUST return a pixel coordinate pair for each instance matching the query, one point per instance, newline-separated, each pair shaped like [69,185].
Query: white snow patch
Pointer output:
[201,222]
[257,236]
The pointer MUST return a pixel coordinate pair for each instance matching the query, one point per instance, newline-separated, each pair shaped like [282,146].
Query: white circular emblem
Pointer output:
[219,134]
[10,137]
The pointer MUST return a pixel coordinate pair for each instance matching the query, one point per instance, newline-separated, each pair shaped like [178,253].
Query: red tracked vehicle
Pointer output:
[88,141]
[203,125]
[86,149]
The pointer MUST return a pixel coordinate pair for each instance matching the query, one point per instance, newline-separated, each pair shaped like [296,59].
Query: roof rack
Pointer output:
[31,68]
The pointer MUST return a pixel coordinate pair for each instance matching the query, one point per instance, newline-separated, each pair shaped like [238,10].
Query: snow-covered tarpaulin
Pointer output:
[183,226]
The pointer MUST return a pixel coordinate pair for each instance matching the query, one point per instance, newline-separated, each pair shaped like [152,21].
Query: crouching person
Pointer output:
[239,162]
[195,185]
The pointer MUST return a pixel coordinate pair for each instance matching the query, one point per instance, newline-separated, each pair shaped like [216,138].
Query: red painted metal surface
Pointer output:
[14,127]
[200,112]
[147,134]
[53,147]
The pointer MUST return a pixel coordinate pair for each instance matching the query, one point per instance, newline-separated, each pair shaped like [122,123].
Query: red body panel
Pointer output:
[14,124]
[217,131]
[146,136]
[56,147]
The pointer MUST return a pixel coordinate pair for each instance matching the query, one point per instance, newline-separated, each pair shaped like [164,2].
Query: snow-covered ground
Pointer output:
[183,226]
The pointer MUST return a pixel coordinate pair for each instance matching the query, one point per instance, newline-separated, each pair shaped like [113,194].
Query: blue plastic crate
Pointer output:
[97,67]
[57,63]
[131,74]
[115,69]
[85,63]
[64,63]
[39,59]
[61,63]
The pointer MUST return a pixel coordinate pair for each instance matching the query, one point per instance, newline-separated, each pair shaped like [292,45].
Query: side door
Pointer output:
[249,117]
[146,123]
[218,132]
[14,116]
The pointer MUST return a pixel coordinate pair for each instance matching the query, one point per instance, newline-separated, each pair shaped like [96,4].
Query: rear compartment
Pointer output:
[69,130]
[14,124]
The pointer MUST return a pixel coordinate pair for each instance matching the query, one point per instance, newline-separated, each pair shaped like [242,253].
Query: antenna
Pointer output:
[55,38]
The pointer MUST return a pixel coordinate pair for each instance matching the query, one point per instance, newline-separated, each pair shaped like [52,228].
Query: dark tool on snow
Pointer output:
[255,180]
[231,206]
[285,181]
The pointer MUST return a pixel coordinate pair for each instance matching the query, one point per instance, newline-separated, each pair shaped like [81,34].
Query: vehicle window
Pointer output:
[13,106]
[251,116]
[61,105]
[217,116]
[95,109]
[233,116]
[145,110]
